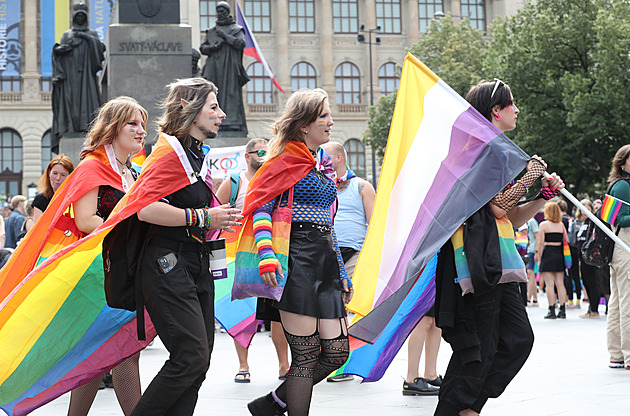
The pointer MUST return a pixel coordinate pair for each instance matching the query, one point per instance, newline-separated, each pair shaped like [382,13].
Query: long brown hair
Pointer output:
[110,120]
[302,108]
[178,119]
[552,212]
[616,172]
[44,185]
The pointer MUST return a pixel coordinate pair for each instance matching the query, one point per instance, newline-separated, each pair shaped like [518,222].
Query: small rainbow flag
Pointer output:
[610,209]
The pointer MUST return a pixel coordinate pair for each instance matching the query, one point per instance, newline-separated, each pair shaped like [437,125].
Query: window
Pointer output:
[10,84]
[47,153]
[345,16]
[10,162]
[426,10]
[45,84]
[259,89]
[303,76]
[388,80]
[258,15]
[207,13]
[476,12]
[388,15]
[301,16]
[348,84]
[356,156]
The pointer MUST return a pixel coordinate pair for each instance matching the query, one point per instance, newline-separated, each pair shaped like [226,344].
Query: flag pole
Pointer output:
[592,217]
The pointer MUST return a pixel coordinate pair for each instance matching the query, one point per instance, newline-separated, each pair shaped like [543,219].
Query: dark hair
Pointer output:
[481,98]
[618,161]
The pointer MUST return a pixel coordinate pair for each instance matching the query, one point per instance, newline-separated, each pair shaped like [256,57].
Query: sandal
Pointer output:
[242,377]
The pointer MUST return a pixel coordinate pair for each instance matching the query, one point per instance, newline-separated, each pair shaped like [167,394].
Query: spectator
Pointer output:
[56,172]
[591,275]
[572,282]
[14,223]
[532,288]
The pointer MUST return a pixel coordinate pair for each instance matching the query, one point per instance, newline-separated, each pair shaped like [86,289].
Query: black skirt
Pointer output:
[313,287]
[552,259]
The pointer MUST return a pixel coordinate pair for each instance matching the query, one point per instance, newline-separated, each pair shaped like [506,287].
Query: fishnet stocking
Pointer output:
[126,378]
[509,197]
[333,355]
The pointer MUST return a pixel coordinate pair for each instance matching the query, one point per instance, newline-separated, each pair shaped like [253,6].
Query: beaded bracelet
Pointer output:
[523,183]
[208,218]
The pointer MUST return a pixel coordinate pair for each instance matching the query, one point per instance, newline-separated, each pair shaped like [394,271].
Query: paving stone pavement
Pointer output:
[566,374]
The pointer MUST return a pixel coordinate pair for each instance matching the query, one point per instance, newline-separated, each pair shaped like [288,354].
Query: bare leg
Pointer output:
[468,412]
[126,378]
[551,293]
[432,344]
[280,342]
[532,293]
[81,398]
[242,353]
[558,278]
[414,348]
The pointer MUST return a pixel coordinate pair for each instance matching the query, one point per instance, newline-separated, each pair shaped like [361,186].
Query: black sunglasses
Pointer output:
[260,153]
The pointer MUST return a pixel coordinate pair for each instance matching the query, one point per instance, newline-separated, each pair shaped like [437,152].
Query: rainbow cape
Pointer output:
[444,161]
[274,177]
[610,208]
[56,329]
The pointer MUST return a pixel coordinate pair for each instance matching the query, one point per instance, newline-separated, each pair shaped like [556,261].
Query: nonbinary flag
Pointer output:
[444,161]
[610,209]
[251,46]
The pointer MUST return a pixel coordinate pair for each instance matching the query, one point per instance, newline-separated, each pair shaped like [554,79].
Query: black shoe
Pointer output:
[107,379]
[419,387]
[437,382]
[265,406]
[552,313]
[341,377]
[562,313]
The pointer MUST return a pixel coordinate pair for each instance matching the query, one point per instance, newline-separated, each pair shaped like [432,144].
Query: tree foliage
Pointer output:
[378,126]
[568,66]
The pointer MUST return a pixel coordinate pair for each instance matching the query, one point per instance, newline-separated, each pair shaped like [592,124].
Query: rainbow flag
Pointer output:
[56,329]
[566,252]
[444,161]
[139,158]
[610,208]
[251,46]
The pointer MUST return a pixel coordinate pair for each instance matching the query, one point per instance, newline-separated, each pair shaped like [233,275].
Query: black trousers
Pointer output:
[591,278]
[506,341]
[572,277]
[181,306]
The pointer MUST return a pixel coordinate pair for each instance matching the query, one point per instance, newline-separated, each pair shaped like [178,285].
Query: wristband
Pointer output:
[547,193]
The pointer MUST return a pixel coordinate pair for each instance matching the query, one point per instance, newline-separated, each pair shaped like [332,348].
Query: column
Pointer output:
[30,72]
[280,23]
[325,30]
[413,22]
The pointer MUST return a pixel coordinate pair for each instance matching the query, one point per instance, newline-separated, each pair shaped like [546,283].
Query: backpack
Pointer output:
[122,250]
[234,187]
[572,232]
[598,248]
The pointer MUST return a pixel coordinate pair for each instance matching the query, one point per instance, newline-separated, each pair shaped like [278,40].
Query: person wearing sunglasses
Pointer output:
[233,190]
[481,312]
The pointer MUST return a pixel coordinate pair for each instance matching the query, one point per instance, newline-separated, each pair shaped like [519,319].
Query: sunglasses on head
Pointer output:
[260,153]
[497,84]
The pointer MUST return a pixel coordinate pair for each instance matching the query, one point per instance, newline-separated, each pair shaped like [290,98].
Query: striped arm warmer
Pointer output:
[262,234]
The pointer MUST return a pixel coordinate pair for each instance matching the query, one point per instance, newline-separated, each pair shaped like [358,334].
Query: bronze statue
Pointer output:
[76,60]
[196,71]
[224,46]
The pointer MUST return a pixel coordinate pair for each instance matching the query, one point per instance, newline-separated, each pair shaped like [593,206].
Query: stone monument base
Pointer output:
[71,146]
[227,140]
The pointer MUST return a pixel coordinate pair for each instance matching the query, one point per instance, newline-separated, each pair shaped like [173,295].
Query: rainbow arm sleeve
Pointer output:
[262,234]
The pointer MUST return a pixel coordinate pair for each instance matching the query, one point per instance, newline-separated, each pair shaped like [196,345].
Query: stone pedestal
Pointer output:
[143,59]
[227,141]
[71,146]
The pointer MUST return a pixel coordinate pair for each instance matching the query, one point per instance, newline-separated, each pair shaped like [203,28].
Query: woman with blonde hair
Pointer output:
[312,310]
[551,234]
[56,172]
[618,321]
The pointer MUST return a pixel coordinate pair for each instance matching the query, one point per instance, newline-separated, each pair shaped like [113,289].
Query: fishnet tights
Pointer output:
[313,359]
[126,379]
[509,197]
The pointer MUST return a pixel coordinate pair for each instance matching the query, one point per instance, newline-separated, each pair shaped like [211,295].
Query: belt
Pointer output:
[299,225]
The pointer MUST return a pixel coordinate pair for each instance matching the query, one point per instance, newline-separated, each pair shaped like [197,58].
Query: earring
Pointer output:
[498,117]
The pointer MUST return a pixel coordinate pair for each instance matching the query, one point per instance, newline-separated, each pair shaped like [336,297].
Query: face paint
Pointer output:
[212,116]
[321,123]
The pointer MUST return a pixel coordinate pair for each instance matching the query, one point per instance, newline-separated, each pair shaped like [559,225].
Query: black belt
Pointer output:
[299,225]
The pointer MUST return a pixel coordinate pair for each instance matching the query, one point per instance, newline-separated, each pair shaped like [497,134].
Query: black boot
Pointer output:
[562,313]
[265,406]
[552,312]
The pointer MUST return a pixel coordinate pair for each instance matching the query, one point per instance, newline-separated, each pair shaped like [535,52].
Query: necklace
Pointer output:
[122,165]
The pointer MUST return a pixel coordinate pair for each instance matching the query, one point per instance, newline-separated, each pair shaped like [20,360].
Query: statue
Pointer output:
[76,60]
[224,46]
[196,71]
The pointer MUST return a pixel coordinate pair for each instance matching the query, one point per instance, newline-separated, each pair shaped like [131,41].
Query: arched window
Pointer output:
[47,153]
[356,156]
[303,76]
[348,84]
[388,81]
[259,89]
[10,162]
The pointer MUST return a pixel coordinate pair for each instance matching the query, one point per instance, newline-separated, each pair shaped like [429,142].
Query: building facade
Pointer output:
[307,43]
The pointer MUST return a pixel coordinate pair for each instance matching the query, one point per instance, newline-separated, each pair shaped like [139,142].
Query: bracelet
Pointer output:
[208,219]
[523,183]
[201,218]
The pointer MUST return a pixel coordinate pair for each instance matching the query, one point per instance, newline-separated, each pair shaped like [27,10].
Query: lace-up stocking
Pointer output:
[334,353]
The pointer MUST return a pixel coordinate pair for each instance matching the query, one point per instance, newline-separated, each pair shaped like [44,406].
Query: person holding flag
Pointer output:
[481,311]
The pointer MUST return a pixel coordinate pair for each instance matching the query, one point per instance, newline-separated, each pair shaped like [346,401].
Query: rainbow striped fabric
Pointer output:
[511,260]
[443,162]
[56,329]
[273,178]
[610,208]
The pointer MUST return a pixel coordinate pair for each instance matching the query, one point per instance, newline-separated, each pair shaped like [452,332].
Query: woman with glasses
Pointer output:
[491,337]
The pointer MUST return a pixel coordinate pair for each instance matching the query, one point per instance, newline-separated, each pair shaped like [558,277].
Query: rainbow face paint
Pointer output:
[321,123]
[212,116]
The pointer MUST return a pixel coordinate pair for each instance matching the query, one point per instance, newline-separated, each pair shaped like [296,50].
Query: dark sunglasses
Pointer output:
[260,153]
[497,84]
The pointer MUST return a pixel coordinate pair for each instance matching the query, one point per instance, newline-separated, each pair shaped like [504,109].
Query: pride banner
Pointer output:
[10,46]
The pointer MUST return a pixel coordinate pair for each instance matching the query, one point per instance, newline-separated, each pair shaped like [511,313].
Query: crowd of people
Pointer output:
[483,318]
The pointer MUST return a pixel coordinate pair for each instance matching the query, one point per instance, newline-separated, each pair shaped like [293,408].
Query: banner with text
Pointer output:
[10,46]
[225,160]
[100,13]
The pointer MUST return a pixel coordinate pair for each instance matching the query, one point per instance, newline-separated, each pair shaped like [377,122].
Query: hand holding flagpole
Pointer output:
[592,217]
